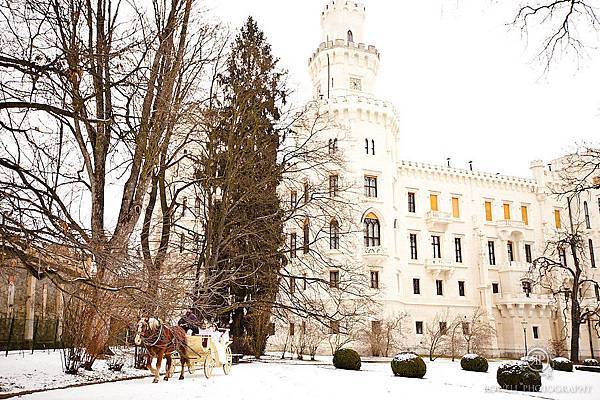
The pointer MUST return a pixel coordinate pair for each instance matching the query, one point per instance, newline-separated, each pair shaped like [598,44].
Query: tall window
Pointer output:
[370,146]
[439,286]
[461,288]
[419,327]
[524,216]
[509,249]
[292,284]
[416,286]
[435,243]
[306,236]
[292,329]
[458,249]
[293,199]
[183,206]
[181,242]
[333,185]
[433,201]
[526,287]
[334,235]
[350,36]
[370,186]
[465,328]
[372,235]
[455,208]
[332,146]
[334,327]
[562,256]
[306,192]
[587,215]
[198,205]
[557,219]
[491,253]
[506,208]
[495,288]
[488,211]
[293,244]
[334,279]
[367,146]
[411,202]
[443,327]
[374,279]
[592,258]
[536,332]
[528,253]
[413,246]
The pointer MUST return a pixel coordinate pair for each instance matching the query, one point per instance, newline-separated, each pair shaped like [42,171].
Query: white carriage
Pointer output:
[210,348]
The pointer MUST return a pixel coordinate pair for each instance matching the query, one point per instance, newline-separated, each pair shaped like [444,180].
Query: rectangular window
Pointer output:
[334,279]
[443,327]
[506,208]
[293,199]
[557,219]
[374,279]
[488,211]
[455,208]
[306,237]
[458,249]
[413,246]
[509,249]
[416,286]
[524,215]
[435,243]
[376,327]
[592,258]
[439,286]
[536,332]
[306,192]
[597,290]
[433,201]
[587,215]
[370,186]
[292,329]
[491,253]
[528,253]
[304,281]
[419,327]
[333,185]
[181,242]
[495,288]
[293,244]
[562,257]
[334,327]
[465,328]
[526,287]
[461,288]
[411,202]
[292,284]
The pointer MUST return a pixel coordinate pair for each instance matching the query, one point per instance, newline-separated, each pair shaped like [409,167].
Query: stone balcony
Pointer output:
[440,266]
[375,256]
[438,219]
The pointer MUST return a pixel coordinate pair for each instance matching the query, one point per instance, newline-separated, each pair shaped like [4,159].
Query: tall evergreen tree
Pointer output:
[244,224]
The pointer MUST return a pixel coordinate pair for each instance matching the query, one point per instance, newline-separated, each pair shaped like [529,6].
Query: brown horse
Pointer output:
[161,341]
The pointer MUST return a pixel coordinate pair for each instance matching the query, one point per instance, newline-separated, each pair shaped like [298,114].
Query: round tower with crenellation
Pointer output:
[343,64]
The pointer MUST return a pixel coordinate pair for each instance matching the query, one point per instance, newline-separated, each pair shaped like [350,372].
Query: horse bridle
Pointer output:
[157,336]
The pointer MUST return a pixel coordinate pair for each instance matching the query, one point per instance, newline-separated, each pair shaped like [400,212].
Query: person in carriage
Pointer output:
[190,322]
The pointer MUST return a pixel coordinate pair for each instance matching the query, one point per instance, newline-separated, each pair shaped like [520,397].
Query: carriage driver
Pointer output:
[189,321]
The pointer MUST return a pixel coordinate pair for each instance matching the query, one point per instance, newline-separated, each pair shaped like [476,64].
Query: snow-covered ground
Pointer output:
[22,371]
[300,380]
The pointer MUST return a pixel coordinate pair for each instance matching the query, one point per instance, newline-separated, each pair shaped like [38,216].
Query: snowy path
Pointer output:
[265,381]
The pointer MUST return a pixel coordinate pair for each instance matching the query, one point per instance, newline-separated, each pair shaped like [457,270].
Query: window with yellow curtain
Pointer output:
[557,219]
[433,199]
[506,207]
[455,208]
[524,216]
[488,210]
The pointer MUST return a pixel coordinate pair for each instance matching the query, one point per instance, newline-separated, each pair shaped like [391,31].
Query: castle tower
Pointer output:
[343,64]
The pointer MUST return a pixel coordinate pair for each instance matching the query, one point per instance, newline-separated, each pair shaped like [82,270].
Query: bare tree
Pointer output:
[562,26]
[477,332]
[572,282]
[385,336]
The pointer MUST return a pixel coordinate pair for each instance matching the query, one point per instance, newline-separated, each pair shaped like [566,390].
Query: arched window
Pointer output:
[350,36]
[372,231]
[587,215]
[306,236]
[334,235]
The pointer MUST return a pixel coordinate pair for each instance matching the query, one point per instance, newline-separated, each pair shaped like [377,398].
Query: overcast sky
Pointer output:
[465,84]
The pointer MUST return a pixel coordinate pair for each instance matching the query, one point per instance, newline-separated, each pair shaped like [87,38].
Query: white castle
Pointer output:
[436,238]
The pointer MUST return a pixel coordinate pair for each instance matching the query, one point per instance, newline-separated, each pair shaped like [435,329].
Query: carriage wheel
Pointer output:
[228,361]
[209,364]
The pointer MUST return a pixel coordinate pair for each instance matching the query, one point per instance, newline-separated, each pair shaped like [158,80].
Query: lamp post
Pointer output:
[524,324]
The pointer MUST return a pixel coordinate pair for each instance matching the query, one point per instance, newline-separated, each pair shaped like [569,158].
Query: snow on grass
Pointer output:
[297,381]
[22,371]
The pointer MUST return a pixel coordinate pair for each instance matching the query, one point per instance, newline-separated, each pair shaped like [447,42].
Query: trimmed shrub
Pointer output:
[346,359]
[520,376]
[561,364]
[534,362]
[591,362]
[474,362]
[408,365]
